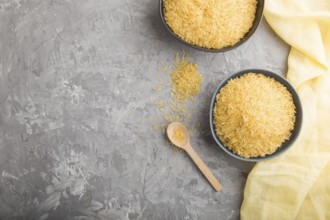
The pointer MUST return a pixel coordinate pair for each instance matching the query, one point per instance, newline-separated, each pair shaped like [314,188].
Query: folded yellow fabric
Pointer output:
[296,185]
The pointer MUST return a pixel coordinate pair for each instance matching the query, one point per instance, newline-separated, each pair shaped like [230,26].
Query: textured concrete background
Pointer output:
[77,109]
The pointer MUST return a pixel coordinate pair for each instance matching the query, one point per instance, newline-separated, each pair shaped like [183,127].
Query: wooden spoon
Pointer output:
[179,136]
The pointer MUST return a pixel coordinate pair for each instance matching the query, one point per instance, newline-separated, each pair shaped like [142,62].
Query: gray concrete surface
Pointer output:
[77,113]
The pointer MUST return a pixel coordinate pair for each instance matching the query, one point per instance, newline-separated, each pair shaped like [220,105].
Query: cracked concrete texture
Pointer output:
[77,107]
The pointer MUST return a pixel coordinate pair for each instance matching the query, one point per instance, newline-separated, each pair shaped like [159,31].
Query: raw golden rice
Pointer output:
[212,24]
[186,79]
[254,115]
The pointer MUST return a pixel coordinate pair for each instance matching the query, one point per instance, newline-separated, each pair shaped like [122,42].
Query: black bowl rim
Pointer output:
[246,37]
[299,114]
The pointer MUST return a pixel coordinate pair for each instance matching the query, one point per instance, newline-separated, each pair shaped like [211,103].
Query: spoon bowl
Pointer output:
[179,136]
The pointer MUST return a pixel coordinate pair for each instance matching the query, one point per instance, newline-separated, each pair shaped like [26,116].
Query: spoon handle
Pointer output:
[202,166]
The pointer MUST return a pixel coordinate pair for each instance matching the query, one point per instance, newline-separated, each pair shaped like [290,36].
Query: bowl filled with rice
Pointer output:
[212,25]
[255,115]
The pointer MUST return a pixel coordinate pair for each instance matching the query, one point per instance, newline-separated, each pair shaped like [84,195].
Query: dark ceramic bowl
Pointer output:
[256,22]
[298,121]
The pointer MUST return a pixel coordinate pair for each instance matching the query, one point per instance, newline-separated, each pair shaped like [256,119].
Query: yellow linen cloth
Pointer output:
[296,185]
